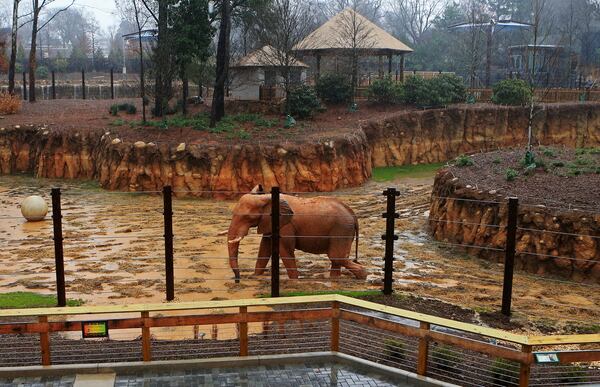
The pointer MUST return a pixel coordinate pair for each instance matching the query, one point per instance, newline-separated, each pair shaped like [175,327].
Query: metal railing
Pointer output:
[443,349]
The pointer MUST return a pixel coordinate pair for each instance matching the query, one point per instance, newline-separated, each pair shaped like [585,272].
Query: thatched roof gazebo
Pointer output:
[350,31]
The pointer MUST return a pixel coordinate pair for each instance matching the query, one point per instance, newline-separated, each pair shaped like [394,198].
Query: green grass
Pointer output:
[348,293]
[18,300]
[407,171]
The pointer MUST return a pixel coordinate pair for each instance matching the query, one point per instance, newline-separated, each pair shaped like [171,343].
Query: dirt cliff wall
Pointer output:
[117,165]
[442,134]
[554,241]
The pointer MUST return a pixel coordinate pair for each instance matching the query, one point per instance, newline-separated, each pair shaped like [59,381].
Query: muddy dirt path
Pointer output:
[114,254]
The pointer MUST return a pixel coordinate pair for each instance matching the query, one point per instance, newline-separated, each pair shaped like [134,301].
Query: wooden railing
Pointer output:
[477,343]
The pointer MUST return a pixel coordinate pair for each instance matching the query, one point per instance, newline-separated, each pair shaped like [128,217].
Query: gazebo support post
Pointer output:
[390,65]
[318,66]
[402,67]
[380,66]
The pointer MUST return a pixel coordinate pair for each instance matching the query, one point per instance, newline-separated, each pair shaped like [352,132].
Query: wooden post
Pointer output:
[335,326]
[390,65]
[525,371]
[401,67]
[168,223]
[423,351]
[146,343]
[53,85]
[244,331]
[380,67]
[24,86]
[275,242]
[45,341]
[58,248]
[509,260]
[83,83]
[389,238]
[112,83]
[214,334]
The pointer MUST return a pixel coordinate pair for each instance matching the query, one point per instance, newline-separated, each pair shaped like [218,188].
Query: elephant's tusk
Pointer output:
[223,233]
[236,240]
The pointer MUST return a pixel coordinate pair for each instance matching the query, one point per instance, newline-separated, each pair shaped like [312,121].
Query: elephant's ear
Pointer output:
[286,212]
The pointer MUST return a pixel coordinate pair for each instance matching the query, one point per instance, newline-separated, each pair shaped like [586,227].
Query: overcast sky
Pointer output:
[104,10]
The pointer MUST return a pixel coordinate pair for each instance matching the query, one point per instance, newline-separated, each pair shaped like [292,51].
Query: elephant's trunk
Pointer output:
[234,237]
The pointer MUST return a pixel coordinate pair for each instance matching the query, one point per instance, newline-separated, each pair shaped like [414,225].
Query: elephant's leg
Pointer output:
[264,255]
[289,261]
[339,251]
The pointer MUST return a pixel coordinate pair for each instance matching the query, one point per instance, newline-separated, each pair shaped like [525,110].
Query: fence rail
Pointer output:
[546,95]
[444,349]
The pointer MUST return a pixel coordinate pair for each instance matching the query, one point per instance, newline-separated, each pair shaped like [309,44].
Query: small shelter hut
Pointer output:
[259,75]
[350,33]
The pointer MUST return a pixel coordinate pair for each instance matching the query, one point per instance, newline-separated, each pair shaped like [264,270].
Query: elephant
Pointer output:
[318,225]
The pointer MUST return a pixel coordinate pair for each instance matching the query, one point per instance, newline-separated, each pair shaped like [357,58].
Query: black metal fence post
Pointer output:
[389,237]
[53,85]
[83,83]
[275,242]
[58,248]
[509,259]
[112,83]
[168,217]
[24,86]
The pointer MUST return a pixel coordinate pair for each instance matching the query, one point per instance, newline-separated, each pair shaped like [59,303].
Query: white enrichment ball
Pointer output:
[34,208]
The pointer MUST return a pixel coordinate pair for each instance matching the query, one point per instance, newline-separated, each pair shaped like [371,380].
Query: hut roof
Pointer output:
[336,34]
[266,56]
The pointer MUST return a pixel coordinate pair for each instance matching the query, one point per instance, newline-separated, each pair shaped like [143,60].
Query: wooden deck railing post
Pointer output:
[275,241]
[146,342]
[168,225]
[45,341]
[509,260]
[423,350]
[335,326]
[244,331]
[58,248]
[525,371]
[389,237]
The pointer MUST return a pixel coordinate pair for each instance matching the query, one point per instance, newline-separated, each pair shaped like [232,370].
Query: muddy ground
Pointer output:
[114,254]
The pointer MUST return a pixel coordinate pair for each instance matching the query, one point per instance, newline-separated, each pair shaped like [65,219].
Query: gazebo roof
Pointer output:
[333,36]
[266,56]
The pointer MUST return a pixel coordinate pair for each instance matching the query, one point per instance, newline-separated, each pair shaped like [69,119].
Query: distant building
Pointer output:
[555,66]
[258,75]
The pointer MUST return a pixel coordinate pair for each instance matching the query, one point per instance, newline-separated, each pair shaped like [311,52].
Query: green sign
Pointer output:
[94,329]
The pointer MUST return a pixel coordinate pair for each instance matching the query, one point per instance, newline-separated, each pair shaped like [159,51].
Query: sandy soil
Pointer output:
[114,254]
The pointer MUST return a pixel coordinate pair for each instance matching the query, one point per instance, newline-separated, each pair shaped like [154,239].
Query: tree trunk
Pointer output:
[13,51]
[162,61]
[218,102]
[142,83]
[185,89]
[32,58]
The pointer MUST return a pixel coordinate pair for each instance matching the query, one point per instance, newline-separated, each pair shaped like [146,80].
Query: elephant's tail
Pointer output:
[356,247]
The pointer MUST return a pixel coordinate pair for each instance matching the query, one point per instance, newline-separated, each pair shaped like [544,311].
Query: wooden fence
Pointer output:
[546,95]
[373,332]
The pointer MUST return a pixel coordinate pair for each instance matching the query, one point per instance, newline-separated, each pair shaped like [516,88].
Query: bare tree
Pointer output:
[93,29]
[356,34]
[414,17]
[287,23]
[371,9]
[37,7]
[13,47]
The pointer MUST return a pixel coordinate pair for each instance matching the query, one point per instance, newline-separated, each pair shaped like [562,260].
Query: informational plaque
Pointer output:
[94,329]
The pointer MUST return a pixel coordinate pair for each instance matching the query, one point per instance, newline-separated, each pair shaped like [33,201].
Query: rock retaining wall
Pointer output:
[194,169]
[318,165]
[439,135]
[562,242]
